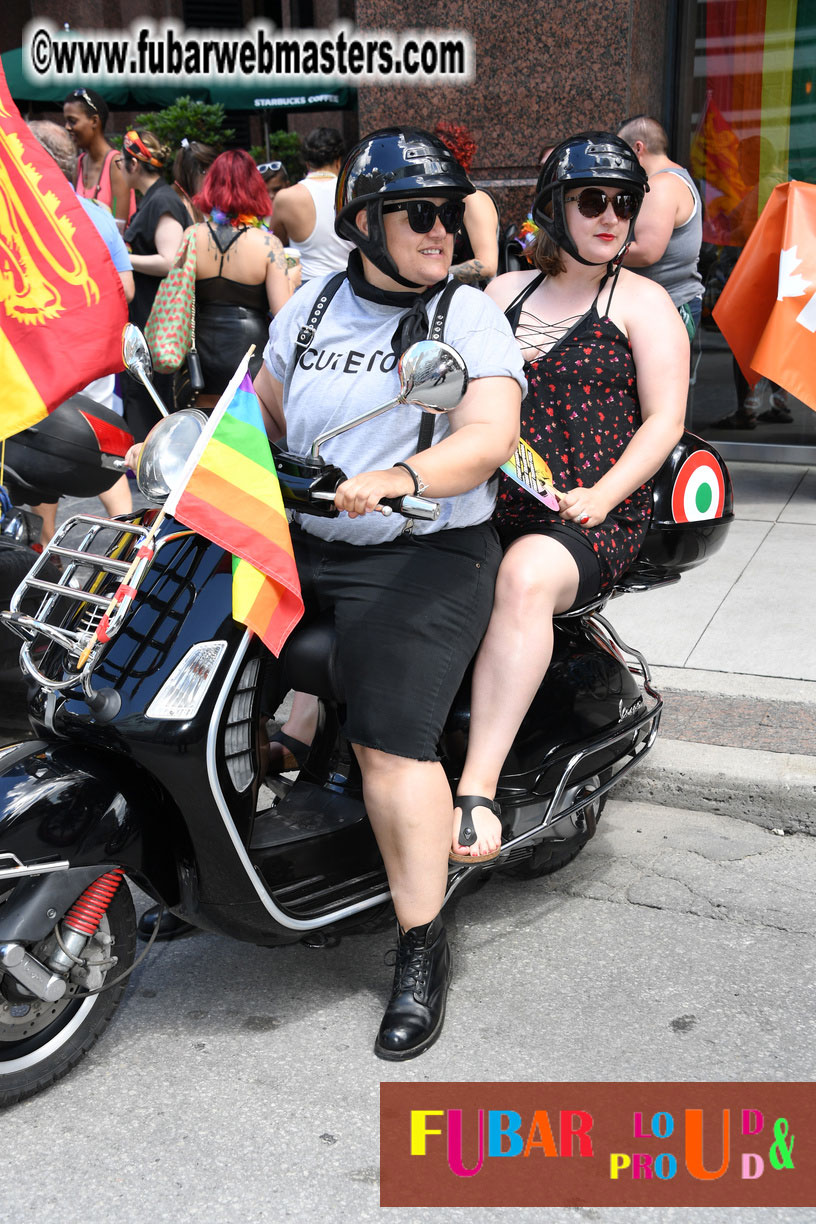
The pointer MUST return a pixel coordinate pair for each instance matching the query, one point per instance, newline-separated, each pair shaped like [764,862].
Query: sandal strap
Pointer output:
[467,833]
[298,749]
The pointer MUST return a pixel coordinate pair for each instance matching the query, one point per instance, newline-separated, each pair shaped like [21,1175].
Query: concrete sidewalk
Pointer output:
[733,652]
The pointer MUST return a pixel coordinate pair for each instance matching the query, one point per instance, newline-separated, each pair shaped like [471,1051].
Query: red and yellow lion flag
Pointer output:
[767,310]
[62,306]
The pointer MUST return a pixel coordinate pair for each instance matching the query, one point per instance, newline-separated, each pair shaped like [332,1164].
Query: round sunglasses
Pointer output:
[592,202]
[422,214]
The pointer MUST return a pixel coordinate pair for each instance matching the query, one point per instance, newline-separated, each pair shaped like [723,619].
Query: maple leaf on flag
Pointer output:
[791,283]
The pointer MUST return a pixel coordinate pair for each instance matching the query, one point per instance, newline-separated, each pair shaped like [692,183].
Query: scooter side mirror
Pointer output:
[432,376]
[136,354]
[139,363]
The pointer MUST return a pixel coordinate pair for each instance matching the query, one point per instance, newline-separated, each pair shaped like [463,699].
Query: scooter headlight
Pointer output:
[181,695]
[166,450]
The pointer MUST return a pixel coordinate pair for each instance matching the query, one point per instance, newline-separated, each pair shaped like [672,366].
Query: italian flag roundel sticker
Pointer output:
[699,490]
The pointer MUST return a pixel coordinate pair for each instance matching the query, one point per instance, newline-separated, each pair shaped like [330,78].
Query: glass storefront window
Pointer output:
[753,126]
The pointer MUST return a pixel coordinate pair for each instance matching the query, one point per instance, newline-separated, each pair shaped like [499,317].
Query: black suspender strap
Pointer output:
[306,334]
[436,332]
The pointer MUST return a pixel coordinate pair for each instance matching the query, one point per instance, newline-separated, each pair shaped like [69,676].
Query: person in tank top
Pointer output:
[669,232]
[606,359]
[476,245]
[241,275]
[304,214]
[99,176]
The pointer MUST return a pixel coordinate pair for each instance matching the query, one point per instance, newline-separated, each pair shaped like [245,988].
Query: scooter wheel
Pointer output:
[40,1042]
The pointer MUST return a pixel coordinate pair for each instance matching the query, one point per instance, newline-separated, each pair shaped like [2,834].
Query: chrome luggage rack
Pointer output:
[90,589]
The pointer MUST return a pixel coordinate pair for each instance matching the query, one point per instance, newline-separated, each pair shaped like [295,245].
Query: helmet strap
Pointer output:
[375,248]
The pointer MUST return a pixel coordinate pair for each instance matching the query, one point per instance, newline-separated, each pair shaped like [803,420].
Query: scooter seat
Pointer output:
[310,662]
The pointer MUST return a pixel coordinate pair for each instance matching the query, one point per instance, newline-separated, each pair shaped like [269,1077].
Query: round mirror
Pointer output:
[433,376]
[135,353]
[165,452]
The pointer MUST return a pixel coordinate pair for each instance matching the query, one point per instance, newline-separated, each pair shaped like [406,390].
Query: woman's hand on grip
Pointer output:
[362,494]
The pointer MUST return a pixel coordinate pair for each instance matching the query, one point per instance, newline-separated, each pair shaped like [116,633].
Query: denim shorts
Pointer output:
[409,615]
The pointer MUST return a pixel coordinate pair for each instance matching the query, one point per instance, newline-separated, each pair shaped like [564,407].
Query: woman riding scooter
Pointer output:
[606,359]
[409,607]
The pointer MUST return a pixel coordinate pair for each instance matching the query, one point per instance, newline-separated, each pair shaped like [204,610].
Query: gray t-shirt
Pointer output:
[350,368]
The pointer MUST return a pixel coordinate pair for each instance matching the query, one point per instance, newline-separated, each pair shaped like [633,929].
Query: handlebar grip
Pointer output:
[413,507]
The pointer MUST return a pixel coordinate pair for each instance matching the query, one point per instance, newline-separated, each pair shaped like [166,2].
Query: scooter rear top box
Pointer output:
[693,507]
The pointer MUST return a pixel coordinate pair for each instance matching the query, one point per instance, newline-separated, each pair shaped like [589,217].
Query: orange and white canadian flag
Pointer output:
[767,310]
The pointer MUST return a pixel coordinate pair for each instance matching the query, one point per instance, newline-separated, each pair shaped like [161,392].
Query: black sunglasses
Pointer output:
[422,214]
[592,202]
[270,167]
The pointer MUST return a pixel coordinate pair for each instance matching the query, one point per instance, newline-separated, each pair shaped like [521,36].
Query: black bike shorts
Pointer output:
[576,544]
[409,616]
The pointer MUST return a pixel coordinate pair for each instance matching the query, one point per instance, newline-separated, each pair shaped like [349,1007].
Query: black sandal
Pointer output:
[467,833]
[293,756]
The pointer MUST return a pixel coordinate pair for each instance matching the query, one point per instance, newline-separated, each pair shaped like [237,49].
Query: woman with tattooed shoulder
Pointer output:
[241,275]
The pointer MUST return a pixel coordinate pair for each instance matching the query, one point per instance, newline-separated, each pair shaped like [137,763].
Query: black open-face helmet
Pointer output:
[394,163]
[590,159]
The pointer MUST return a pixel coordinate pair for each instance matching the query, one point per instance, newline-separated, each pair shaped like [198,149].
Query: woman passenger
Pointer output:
[606,358]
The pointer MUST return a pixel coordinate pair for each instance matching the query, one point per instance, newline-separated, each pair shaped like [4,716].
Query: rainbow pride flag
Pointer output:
[229,493]
[756,127]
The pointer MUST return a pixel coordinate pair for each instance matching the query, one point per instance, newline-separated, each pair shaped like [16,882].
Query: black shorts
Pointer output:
[409,616]
[576,544]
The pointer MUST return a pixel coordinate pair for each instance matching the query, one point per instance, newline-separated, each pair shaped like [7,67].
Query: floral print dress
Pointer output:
[580,413]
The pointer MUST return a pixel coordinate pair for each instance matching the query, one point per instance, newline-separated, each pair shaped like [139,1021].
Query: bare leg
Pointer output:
[48,513]
[410,808]
[537,578]
[117,499]
[301,725]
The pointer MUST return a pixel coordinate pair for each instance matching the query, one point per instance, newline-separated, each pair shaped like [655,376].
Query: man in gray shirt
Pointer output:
[669,227]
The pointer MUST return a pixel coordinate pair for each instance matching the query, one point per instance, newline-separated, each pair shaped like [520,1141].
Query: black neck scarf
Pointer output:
[413,324]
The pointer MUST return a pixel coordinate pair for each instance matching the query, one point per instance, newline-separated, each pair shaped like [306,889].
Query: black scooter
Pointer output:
[148,760]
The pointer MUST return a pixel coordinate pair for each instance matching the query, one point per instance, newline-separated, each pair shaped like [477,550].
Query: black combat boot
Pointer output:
[414,1016]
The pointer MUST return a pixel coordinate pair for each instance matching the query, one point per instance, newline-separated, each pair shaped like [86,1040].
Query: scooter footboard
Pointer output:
[65,807]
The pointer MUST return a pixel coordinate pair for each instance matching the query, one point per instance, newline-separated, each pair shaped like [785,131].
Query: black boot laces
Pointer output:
[411,965]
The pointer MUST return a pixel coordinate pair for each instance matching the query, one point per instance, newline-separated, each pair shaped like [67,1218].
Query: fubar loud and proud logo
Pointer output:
[567,1144]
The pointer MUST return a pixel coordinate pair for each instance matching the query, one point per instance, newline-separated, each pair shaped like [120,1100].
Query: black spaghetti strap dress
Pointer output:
[580,413]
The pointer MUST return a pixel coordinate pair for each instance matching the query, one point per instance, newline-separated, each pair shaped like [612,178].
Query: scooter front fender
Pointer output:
[64,807]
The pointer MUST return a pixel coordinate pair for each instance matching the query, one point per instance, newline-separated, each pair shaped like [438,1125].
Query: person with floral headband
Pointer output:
[154,236]
[241,275]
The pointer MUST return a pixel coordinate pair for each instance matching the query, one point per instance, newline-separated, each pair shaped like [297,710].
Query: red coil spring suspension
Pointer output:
[86,913]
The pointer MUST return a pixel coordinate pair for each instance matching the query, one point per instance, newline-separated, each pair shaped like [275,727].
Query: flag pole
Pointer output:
[146,551]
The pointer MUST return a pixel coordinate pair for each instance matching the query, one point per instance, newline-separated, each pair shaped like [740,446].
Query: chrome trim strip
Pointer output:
[284,920]
[19,868]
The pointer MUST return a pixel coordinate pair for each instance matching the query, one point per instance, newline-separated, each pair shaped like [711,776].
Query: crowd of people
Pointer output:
[579,354]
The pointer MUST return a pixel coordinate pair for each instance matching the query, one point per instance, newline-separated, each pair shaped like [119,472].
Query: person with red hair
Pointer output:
[241,274]
[476,247]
